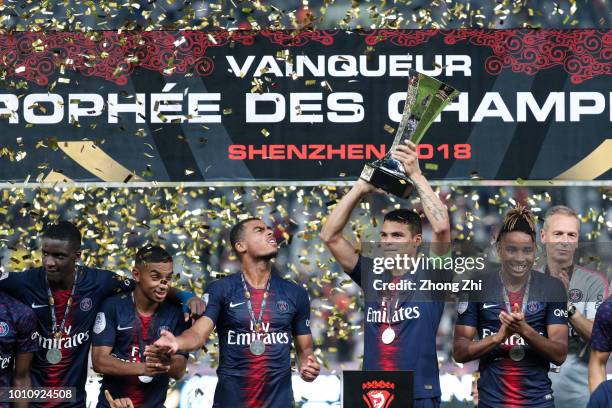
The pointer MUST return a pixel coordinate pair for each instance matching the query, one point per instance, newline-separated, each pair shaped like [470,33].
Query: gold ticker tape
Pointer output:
[97,162]
[594,165]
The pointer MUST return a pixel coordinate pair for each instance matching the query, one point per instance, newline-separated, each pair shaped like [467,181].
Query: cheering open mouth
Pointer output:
[160,294]
[518,268]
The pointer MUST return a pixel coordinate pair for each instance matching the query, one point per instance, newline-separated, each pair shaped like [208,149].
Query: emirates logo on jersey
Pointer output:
[378,394]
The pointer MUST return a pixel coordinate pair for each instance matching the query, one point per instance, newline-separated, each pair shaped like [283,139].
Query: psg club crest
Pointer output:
[85,304]
[575,295]
[533,307]
[282,306]
[4,329]
[378,394]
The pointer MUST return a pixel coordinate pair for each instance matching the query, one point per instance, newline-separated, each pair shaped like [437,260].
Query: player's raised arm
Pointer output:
[331,232]
[435,211]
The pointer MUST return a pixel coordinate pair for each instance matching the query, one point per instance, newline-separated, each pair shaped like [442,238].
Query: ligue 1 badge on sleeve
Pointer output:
[425,99]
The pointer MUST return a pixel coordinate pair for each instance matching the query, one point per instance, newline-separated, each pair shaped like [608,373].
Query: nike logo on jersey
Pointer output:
[489,305]
[35,306]
[232,304]
[123,328]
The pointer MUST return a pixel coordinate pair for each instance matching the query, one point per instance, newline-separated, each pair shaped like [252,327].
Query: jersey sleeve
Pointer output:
[602,396]
[113,283]
[467,314]
[556,309]
[26,326]
[215,296]
[601,337]
[13,284]
[105,327]
[301,320]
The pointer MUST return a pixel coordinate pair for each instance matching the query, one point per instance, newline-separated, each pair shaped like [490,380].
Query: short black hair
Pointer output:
[64,231]
[152,254]
[409,217]
[236,231]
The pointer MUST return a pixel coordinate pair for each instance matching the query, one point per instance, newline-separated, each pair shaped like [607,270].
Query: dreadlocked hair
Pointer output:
[519,219]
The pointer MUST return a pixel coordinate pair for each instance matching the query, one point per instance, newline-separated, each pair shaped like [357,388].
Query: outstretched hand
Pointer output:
[167,343]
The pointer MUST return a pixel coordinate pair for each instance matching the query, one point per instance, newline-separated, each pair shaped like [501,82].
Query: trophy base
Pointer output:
[391,183]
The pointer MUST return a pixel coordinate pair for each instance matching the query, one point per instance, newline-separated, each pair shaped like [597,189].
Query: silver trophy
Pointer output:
[425,99]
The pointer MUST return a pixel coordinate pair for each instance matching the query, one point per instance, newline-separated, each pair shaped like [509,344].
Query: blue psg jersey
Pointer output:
[17,325]
[92,287]
[116,326]
[516,378]
[247,380]
[602,396]
[415,324]
[601,336]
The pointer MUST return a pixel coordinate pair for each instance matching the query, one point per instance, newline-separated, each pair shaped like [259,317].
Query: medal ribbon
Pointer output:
[388,299]
[247,294]
[525,294]
[58,333]
[141,345]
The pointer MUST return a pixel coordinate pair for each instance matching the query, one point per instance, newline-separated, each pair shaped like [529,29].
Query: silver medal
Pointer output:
[54,356]
[517,353]
[257,347]
[145,379]
[388,335]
